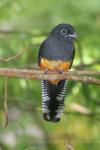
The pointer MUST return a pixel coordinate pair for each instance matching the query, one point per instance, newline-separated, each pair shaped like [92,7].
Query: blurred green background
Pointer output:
[28,22]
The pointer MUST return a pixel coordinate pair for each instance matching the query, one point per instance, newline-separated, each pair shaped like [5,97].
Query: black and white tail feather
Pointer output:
[53,100]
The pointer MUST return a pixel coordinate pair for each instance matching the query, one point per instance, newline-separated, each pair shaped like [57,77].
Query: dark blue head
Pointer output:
[64,31]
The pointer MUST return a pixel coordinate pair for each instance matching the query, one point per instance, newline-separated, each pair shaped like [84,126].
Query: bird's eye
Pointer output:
[63,31]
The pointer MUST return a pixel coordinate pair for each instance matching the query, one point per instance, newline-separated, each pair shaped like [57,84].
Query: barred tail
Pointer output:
[53,100]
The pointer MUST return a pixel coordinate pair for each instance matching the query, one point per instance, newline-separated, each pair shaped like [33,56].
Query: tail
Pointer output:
[53,100]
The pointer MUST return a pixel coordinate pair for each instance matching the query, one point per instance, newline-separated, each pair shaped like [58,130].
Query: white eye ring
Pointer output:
[63,31]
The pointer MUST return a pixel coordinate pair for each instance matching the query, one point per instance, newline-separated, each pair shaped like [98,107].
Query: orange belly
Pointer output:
[56,65]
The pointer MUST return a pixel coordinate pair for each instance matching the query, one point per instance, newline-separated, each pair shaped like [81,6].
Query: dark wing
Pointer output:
[41,52]
[72,57]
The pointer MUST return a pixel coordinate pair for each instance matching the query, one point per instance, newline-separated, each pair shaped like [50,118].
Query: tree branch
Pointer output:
[79,76]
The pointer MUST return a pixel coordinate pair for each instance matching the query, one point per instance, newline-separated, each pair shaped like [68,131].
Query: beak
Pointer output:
[74,35]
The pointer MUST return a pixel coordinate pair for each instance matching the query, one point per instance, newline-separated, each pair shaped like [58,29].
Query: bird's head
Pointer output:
[64,31]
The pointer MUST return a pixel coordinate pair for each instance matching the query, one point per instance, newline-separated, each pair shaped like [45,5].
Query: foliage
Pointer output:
[28,23]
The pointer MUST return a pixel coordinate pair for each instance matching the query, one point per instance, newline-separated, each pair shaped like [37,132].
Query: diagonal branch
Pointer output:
[78,76]
[15,56]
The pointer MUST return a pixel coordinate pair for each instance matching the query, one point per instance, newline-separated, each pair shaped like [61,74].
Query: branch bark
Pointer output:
[78,76]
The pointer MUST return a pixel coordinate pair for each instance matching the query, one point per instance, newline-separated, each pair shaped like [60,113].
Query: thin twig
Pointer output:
[5,32]
[25,32]
[79,76]
[68,143]
[5,103]
[83,65]
[15,56]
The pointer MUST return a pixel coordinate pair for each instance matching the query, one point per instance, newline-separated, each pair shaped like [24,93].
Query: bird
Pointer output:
[56,53]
